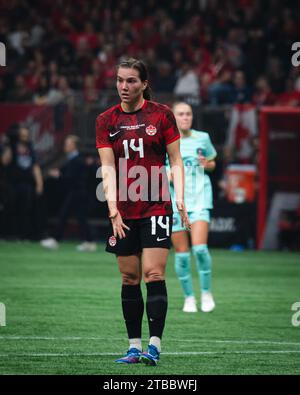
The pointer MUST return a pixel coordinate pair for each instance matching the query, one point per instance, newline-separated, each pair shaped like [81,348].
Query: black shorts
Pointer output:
[151,232]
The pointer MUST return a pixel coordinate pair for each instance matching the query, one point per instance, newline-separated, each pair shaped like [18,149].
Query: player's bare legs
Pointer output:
[181,244]
[199,232]
[132,304]
[199,236]
[154,266]
[180,241]
[130,269]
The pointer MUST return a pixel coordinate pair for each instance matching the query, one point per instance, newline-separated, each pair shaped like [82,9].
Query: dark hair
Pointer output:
[140,66]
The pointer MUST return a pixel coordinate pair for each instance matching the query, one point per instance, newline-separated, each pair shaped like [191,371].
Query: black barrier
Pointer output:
[233,225]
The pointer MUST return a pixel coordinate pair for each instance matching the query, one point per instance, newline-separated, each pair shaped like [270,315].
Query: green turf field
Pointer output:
[63,315]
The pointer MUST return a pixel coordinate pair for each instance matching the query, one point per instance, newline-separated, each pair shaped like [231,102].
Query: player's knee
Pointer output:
[200,249]
[130,278]
[202,256]
[181,250]
[153,275]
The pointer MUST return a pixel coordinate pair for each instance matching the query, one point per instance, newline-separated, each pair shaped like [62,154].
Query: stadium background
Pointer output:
[231,61]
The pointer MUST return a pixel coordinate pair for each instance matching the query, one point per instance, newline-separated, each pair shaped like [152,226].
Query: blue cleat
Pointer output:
[150,357]
[132,356]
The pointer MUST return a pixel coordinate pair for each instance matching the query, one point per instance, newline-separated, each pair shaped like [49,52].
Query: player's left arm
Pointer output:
[208,165]
[207,161]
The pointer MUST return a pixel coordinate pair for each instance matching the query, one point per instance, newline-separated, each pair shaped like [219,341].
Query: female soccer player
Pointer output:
[196,150]
[133,138]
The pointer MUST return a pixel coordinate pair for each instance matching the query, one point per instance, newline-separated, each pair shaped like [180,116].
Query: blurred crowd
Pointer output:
[28,198]
[220,52]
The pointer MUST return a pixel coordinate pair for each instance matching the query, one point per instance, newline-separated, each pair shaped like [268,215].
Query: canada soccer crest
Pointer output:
[151,130]
[112,241]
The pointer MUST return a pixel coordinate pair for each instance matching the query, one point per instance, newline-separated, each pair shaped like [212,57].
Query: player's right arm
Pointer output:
[177,171]
[108,168]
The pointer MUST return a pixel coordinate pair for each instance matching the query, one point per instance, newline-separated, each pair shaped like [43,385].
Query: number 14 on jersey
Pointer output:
[137,148]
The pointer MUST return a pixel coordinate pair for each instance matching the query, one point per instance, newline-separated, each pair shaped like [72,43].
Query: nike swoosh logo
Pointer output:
[158,239]
[113,134]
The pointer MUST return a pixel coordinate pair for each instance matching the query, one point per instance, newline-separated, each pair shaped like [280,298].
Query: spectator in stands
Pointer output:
[221,91]
[41,95]
[92,165]
[254,36]
[7,216]
[90,91]
[241,92]
[3,90]
[187,83]
[62,94]
[18,38]
[97,70]
[26,182]
[72,176]
[20,93]
[233,47]
[263,95]
[164,81]
[291,96]
[32,75]
[215,74]
[276,75]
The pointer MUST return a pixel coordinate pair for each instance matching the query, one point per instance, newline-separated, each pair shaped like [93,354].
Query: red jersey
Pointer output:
[139,140]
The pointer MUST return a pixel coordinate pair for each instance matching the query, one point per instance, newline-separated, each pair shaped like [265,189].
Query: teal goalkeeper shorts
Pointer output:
[203,215]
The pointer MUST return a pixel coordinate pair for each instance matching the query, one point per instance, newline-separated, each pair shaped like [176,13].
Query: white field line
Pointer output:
[79,338]
[183,353]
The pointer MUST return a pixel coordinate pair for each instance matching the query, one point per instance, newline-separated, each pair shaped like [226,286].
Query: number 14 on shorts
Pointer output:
[159,221]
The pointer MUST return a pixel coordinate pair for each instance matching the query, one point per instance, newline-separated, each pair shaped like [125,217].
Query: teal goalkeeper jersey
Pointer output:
[198,189]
